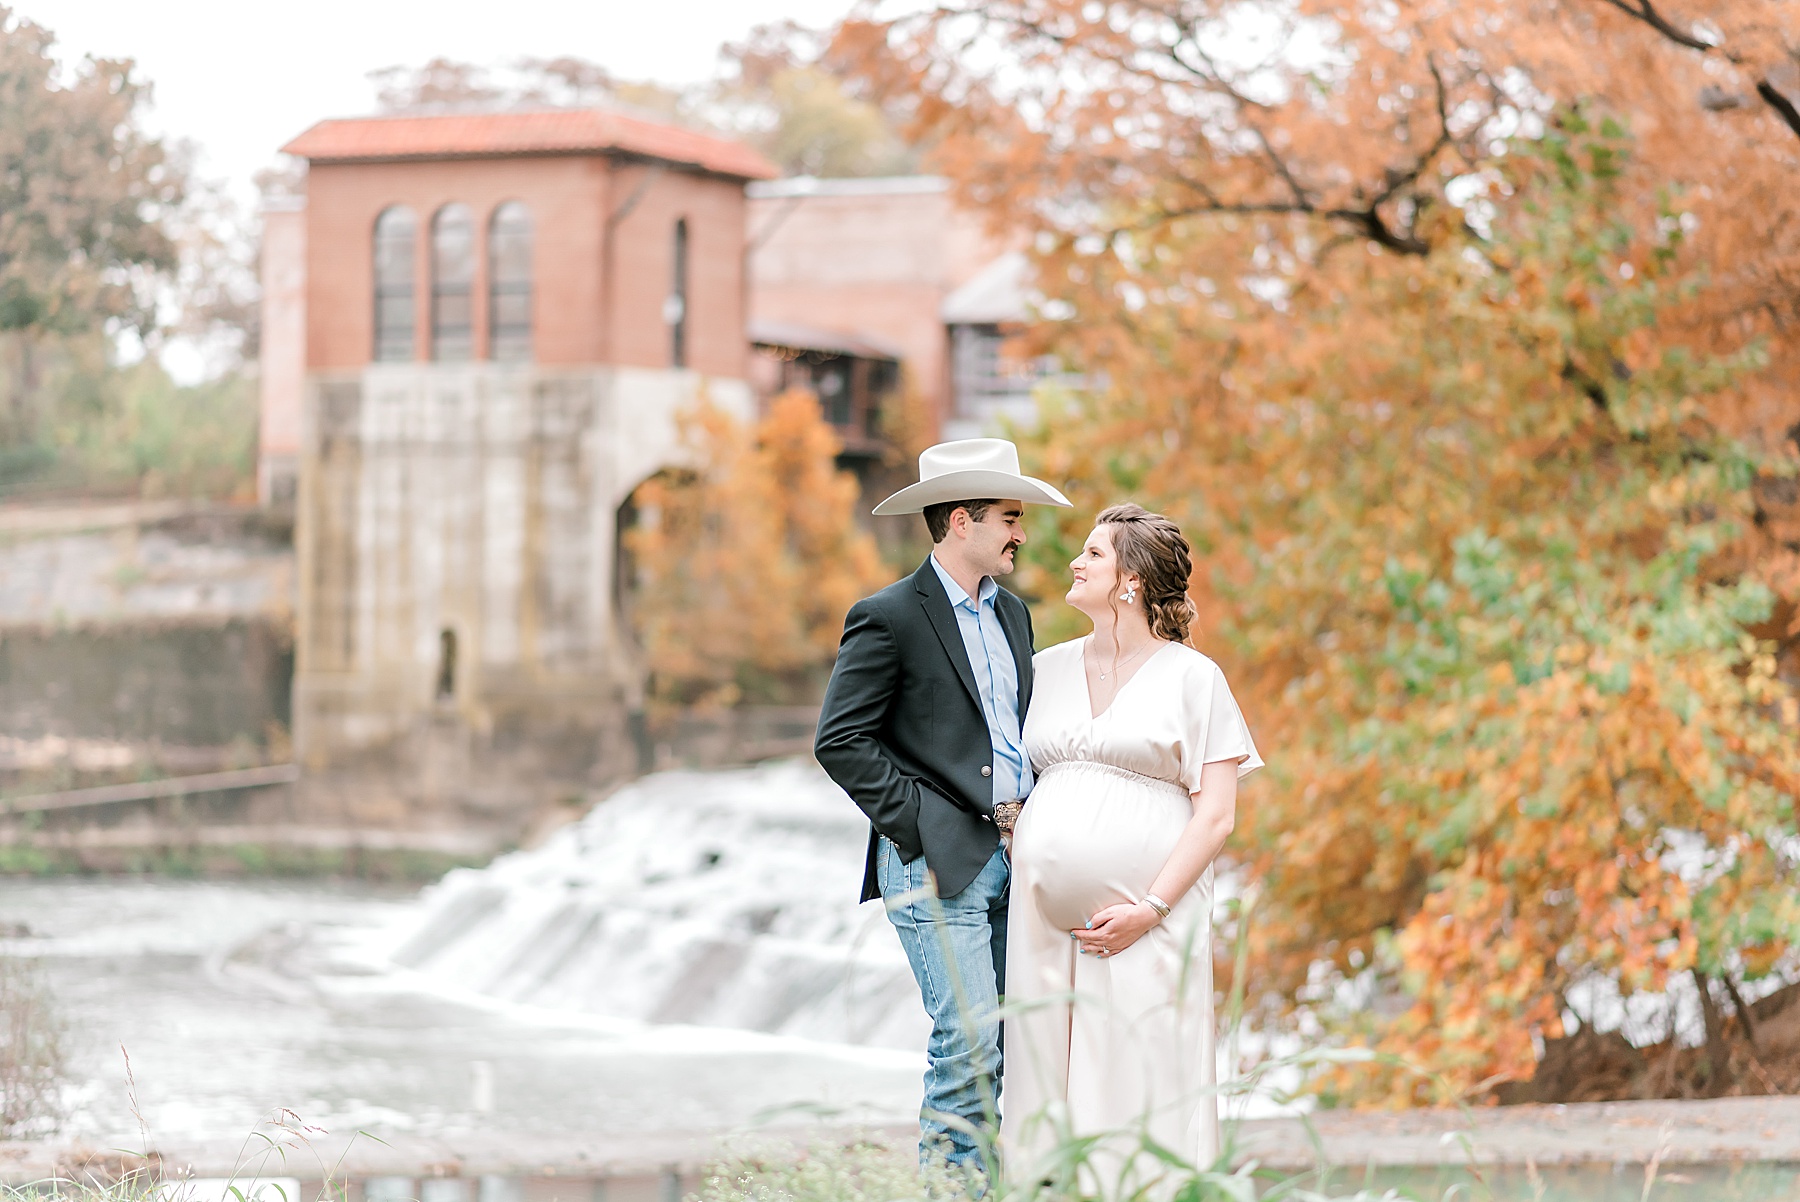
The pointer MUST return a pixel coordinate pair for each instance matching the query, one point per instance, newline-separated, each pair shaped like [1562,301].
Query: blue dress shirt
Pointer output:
[997,678]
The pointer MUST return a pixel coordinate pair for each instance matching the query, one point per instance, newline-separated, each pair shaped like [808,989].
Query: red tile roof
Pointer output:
[545,131]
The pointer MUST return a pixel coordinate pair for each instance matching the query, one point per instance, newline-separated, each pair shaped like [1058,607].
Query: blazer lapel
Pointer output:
[937,608]
[1011,623]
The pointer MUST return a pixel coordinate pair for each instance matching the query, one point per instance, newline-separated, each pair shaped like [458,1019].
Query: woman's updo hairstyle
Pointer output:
[1152,548]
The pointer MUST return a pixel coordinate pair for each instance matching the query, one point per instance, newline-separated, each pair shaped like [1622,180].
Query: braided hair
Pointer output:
[1153,548]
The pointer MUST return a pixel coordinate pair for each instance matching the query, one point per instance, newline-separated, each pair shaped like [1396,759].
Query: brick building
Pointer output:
[501,314]
[894,263]
[478,329]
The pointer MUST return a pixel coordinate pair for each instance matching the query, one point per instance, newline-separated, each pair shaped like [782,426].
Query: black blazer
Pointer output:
[903,732]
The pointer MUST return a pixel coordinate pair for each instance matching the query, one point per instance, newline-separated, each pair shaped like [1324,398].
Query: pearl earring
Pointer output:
[1129,595]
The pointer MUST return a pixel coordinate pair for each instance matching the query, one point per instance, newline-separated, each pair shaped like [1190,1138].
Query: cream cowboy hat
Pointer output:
[970,469]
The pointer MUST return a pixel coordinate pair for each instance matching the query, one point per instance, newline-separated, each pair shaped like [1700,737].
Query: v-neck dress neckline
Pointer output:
[1087,687]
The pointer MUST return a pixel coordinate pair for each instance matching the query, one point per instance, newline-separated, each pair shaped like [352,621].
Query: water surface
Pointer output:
[234,998]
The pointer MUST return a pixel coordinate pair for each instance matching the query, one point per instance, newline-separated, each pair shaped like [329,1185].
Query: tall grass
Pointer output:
[31,1051]
[282,1147]
[868,1171]
[1124,1165]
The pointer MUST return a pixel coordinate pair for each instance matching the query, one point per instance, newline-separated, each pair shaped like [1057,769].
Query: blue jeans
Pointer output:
[957,946]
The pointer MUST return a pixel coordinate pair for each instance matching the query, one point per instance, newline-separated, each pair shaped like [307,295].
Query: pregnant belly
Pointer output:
[1088,840]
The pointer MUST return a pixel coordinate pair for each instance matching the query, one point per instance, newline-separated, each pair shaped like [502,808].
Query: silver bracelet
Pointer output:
[1156,903]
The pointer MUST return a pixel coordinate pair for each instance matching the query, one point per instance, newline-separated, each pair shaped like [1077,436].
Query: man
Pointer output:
[922,727]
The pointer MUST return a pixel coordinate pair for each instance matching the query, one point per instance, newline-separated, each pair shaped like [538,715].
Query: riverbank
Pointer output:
[261,851]
[232,998]
[1735,1148]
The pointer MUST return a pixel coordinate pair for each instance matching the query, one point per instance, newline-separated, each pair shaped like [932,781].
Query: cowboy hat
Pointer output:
[970,469]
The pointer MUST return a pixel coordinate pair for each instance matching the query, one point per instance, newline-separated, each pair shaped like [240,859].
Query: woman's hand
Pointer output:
[1116,928]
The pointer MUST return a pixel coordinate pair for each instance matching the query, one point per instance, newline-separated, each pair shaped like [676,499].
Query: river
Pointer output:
[689,956]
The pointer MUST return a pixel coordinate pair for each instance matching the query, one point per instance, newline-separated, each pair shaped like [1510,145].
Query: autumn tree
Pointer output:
[781,93]
[83,190]
[1459,339]
[774,91]
[101,235]
[746,562]
[442,85]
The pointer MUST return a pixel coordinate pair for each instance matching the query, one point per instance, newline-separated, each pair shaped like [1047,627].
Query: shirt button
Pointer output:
[987,770]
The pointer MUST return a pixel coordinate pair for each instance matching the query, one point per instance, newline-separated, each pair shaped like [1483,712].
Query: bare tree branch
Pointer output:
[1645,11]
[1778,100]
[1774,97]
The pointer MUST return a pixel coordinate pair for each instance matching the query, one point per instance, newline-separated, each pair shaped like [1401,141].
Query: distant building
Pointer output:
[988,385]
[501,314]
[895,261]
[478,330]
[854,376]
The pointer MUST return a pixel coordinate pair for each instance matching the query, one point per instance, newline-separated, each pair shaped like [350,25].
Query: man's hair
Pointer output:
[937,517]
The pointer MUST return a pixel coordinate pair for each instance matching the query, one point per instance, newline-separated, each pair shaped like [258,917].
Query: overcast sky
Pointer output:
[240,77]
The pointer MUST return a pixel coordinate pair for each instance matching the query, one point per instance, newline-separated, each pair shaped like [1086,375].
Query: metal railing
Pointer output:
[149,790]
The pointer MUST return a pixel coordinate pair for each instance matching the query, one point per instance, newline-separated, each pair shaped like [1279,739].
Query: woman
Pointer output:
[1139,747]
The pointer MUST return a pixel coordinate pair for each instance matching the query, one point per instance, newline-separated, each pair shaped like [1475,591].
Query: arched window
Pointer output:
[395,235]
[509,283]
[675,309]
[452,283]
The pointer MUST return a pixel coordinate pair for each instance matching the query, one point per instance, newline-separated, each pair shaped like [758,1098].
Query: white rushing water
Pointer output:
[718,899]
[618,980]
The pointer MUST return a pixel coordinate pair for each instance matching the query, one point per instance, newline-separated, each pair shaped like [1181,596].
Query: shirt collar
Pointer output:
[955,591]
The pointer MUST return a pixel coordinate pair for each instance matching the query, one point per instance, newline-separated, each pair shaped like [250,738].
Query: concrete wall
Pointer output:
[282,360]
[480,500]
[141,640]
[874,256]
[183,685]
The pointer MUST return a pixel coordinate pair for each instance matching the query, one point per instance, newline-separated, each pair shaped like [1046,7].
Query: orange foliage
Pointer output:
[747,565]
[1461,339]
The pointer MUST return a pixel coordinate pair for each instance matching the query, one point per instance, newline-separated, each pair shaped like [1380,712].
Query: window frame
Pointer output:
[395,285]
[510,341]
[453,341]
[675,309]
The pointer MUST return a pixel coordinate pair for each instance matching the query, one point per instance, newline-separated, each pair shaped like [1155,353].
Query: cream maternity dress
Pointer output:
[1118,1046]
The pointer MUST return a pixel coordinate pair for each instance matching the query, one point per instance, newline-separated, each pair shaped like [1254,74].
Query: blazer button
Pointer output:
[987,770]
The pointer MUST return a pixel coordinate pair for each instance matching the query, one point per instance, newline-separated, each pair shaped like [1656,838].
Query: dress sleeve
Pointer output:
[1215,728]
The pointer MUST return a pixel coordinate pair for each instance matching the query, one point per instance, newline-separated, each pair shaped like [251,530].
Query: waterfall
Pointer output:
[721,899]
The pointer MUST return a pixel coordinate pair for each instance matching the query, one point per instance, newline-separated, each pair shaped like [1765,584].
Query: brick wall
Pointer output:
[582,207]
[872,256]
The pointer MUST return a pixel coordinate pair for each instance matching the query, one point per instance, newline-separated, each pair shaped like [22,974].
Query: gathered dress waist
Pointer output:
[1156,782]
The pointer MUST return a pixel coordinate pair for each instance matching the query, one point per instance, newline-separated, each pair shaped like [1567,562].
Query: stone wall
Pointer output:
[141,640]
[460,654]
[177,684]
[146,641]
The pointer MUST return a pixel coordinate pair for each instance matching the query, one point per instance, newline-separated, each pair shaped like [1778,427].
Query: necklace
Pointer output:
[1118,663]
